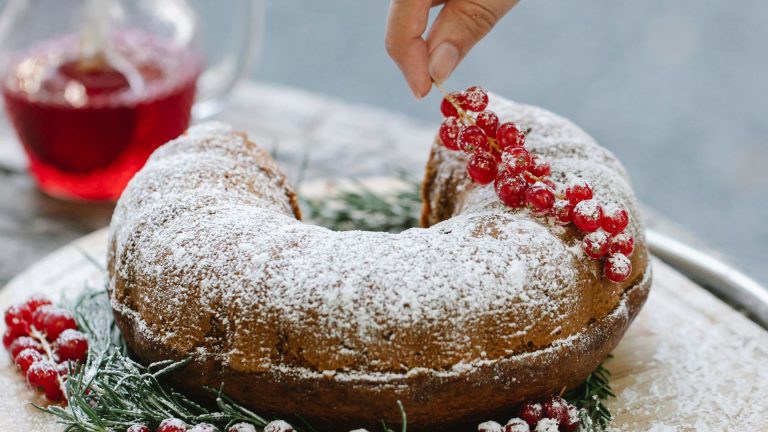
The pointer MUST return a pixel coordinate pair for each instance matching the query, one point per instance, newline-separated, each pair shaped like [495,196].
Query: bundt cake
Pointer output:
[481,309]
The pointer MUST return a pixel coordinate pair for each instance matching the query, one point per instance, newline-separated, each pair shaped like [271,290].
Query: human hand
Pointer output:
[457,28]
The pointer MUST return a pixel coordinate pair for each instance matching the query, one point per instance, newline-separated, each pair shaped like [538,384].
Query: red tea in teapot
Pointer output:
[87,125]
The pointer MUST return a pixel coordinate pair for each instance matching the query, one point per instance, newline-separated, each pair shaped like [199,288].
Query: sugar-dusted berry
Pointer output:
[556,408]
[242,427]
[539,166]
[489,426]
[586,215]
[474,99]
[139,428]
[595,244]
[547,425]
[561,210]
[278,426]
[617,268]
[449,133]
[622,243]
[615,218]
[517,425]
[71,345]
[42,375]
[472,139]
[22,343]
[508,135]
[539,198]
[515,160]
[531,412]
[511,189]
[447,108]
[52,321]
[482,168]
[172,425]
[26,358]
[488,122]
[578,190]
[574,419]
[204,427]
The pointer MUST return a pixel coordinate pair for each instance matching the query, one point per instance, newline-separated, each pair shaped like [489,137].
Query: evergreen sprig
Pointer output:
[112,391]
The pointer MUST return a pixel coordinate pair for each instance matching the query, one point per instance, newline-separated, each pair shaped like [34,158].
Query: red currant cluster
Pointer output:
[178,425]
[42,340]
[553,415]
[522,179]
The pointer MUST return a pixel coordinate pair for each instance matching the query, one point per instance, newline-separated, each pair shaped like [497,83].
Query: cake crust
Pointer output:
[208,260]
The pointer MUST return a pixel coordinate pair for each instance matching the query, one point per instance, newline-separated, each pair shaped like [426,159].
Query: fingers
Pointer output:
[457,28]
[406,23]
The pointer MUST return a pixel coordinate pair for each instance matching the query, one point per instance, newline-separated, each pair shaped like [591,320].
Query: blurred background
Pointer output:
[678,90]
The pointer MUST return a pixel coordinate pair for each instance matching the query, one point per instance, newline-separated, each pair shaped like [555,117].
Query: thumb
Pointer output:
[458,27]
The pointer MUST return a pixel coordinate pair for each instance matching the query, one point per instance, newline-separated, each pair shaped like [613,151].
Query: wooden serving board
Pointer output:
[688,363]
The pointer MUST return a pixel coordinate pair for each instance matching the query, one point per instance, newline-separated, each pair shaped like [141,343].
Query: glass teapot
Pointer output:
[92,87]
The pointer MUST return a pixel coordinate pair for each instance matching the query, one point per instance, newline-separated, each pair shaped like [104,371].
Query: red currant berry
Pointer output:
[595,244]
[539,198]
[531,413]
[511,189]
[63,369]
[204,427]
[556,408]
[52,321]
[539,167]
[17,315]
[622,243]
[447,108]
[472,139]
[449,133]
[35,301]
[42,375]
[578,190]
[54,393]
[547,425]
[482,168]
[242,427]
[515,159]
[22,343]
[508,135]
[172,425]
[562,211]
[138,428]
[278,426]
[574,419]
[617,268]
[488,122]
[71,345]
[474,99]
[489,426]
[517,425]
[615,219]
[14,332]
[25,358]
[586,215]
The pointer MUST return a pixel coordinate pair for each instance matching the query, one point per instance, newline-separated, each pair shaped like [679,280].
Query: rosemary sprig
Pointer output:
[590,398]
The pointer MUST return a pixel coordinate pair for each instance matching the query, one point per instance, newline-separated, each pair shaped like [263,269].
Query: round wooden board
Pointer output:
[688,363]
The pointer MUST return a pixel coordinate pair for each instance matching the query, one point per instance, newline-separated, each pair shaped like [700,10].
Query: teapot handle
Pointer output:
[218,80]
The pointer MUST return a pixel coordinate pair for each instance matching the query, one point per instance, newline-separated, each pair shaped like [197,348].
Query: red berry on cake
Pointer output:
[17,315]
[539,167]
[482,168]
[139,428]
[26,358]
[547,425]
[71,345]
[511,189]
[595,244]
[488,122]
[517,425]
[472,139]
[515,159]
[172,425]
[615,218]
[489,426]
[586,215]
[617,268]
[556,408]
[622,243]
[561,210]
[474,99]
[578,190]
[278,426]
[539,198]
[449,133]
[531,412]
[574,419]
[242,427]
[447,108]
[204,427]
[508,135]
[22,343]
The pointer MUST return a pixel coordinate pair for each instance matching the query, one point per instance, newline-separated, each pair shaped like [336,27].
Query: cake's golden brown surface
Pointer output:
[460,321]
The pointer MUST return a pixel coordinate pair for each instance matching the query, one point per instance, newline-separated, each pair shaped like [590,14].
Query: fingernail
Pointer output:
[415,92]
[443,61]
